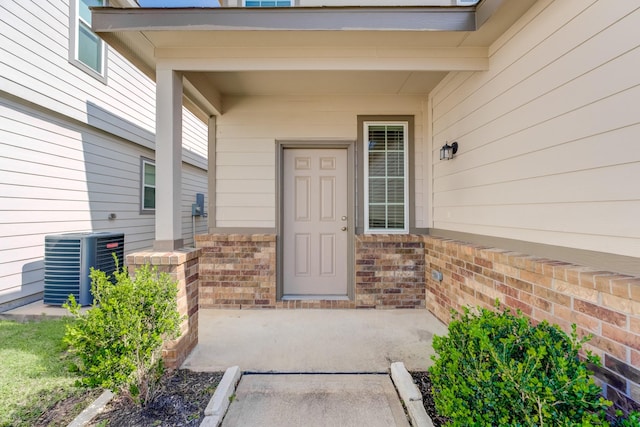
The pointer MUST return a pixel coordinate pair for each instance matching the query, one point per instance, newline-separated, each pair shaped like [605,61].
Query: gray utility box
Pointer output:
[68,259]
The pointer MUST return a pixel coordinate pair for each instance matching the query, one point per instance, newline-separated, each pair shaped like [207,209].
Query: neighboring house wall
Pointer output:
[549,135]
[246,154]
[71,146]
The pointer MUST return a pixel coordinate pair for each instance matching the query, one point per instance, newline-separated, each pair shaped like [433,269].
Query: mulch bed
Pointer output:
[64,411]
[179,402]
[422,380]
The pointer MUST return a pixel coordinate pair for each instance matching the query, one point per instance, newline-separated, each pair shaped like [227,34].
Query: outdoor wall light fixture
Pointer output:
[447,151]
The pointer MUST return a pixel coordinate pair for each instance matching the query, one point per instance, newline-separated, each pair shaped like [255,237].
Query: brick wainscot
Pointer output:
[394,271]
[603,304]
[239,271]
[390,271]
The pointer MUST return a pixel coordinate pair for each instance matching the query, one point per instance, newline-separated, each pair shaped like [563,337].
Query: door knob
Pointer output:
[344,229]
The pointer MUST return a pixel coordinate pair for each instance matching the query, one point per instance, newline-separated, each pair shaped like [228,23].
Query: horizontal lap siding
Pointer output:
[548,136]
[35,41]
[195,140]
[74,158]
[194,181]
[245,146]
[34,66]
[61,177]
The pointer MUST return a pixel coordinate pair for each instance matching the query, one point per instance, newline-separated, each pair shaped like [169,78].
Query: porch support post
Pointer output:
[168,160]
[211,219]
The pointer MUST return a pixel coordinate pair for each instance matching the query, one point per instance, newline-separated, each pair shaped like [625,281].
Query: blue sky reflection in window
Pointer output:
[267,3]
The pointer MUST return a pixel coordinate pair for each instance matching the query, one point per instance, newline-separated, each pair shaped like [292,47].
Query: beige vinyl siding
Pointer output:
[549,135]
[58,176]
[246,136]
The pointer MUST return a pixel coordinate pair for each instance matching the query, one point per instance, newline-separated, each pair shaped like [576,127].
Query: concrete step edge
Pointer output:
[410,395]
[219,403]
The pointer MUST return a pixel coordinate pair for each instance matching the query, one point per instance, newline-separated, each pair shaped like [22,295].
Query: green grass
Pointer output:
[33,372]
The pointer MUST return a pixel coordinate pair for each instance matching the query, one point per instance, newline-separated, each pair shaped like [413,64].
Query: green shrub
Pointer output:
[632,419]
[496,368]
[117,344]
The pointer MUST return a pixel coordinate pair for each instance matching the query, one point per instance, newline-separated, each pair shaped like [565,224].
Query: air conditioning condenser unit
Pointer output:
[68,259]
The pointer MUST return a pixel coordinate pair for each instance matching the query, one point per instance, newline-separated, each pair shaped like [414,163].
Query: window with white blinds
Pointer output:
[386,177]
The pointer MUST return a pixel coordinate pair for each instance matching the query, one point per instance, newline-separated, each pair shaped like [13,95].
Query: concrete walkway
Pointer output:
[314,367]
[306,367]
[315,401]
[314,341]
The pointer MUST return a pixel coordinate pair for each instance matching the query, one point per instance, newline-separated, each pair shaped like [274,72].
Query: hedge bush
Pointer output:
[632,419]
[496,368]
[117,344]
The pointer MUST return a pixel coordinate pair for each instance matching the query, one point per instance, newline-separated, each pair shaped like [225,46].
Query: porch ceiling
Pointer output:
[324,82]
[382,50]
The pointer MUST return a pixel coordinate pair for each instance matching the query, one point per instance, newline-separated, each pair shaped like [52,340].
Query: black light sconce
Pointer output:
[447,151]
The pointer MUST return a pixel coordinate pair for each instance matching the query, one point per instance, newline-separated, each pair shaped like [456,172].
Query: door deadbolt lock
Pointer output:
[344,218]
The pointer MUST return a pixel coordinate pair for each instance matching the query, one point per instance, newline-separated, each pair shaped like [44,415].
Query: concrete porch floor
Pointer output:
[314,341]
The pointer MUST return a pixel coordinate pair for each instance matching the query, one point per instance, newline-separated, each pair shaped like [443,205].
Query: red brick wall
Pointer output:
[390,271]
[603,304]
[182,265]
[237,270]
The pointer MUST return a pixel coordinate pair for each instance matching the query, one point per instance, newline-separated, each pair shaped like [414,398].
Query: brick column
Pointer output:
[182,265]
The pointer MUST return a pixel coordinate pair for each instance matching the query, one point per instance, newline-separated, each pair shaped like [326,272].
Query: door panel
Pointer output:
[315,212]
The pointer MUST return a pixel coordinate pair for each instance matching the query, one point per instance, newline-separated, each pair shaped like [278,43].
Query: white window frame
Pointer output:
[143,162]
[75,21]
[405,229]
[244,3]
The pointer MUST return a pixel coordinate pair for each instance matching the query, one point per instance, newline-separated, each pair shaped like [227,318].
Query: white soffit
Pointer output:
[325,82]
[387,50]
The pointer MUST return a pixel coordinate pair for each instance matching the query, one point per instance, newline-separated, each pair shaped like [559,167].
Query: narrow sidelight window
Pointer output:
[386,177]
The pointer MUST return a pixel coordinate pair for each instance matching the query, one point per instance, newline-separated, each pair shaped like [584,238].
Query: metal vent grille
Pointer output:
[61,269]
[68,261]
[105,248]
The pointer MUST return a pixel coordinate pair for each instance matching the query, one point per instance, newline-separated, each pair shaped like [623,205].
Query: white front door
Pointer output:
[314,233]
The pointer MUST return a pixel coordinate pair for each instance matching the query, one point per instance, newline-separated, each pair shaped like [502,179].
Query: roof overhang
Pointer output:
[381,18]
[205,41]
